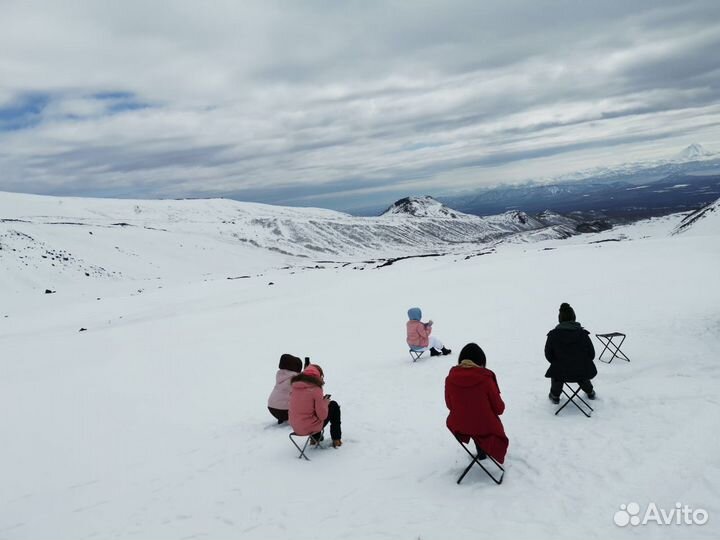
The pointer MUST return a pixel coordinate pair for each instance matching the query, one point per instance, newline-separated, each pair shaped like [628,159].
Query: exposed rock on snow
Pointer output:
[421,207]
[706,219]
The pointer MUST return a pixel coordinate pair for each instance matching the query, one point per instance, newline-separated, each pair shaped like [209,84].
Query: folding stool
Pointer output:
[572,397]
[607,340]
[308,438]
[416,353]
[476,460]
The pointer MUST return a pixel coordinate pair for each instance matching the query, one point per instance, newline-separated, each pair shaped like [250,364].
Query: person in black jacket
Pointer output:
[570,352]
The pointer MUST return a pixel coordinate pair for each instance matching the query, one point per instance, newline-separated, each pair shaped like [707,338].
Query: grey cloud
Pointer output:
[131,159]
[300,102]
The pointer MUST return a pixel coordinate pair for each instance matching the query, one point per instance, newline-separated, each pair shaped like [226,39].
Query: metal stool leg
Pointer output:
[476,460]
[301,450]
[606,342]
[617,353]
[571,398]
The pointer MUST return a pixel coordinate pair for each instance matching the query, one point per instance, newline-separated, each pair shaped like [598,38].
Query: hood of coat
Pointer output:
[305,381]
[469,376]
[290,363]
[569,325]
[569,332]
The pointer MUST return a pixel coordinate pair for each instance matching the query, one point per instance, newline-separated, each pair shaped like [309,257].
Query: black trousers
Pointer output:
[280,414]
[334,420]
[557,386]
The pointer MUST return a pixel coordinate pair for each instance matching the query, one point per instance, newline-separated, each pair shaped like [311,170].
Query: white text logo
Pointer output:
[680,514]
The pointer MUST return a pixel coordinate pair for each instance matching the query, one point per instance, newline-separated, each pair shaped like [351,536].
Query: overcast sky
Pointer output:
[345,104]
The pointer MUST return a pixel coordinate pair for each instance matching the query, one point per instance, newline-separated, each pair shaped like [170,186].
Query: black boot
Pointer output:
[434,352]
[554,399]
[446,351]
[480,454]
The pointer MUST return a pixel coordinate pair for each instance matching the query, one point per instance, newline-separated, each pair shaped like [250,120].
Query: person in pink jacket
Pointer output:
[418,334]
[279,400]
[310,409]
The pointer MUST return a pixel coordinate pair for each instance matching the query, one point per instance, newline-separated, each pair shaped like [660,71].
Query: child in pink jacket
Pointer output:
[279,400]
[418,334]
[310,409]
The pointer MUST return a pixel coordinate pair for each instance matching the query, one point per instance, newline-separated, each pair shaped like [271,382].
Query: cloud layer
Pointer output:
[345,104]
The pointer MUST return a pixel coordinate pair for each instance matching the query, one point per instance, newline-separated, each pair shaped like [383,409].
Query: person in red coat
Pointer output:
[473,397]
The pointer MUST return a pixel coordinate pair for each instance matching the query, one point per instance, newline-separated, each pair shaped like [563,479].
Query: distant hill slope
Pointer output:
[144,239]
[422,207]
[706,220]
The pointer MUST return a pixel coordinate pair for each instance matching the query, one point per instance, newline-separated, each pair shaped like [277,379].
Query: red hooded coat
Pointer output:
[473,397]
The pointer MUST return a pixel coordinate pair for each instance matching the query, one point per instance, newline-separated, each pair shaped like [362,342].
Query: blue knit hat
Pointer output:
[414,314]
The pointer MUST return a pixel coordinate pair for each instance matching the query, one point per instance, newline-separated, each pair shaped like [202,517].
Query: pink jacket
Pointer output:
[308,409]
[418,334]
[280,395]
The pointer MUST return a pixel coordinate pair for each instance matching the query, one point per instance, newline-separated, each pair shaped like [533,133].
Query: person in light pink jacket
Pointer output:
[310,409]
[279,400]
[418,334]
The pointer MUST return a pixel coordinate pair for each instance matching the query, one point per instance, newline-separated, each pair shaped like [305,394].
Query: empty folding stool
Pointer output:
[614,348]
[475,460]
[572,396]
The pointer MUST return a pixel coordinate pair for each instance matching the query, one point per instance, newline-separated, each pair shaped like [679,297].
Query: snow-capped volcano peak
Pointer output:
[421,207]
[694,151]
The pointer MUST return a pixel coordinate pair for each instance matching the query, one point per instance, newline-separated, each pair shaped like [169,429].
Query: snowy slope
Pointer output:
[95,238]
[152,422]
[705,220]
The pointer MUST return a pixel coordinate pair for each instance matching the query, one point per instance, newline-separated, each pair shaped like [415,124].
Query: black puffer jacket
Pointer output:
[570,353]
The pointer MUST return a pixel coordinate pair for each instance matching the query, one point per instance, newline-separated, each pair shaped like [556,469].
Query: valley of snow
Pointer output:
[152,422]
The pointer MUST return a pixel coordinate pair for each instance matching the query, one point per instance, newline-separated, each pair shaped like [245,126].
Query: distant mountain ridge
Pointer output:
[629,191]
[97,237]
[622,199]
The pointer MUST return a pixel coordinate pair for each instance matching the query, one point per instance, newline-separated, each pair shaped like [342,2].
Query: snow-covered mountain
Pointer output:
[693,152]
[97,237]
[706,220]
[626,191]
[421,207]
[670,165]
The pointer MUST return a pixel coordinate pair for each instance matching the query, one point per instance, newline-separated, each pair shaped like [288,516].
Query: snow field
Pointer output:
[152,423]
